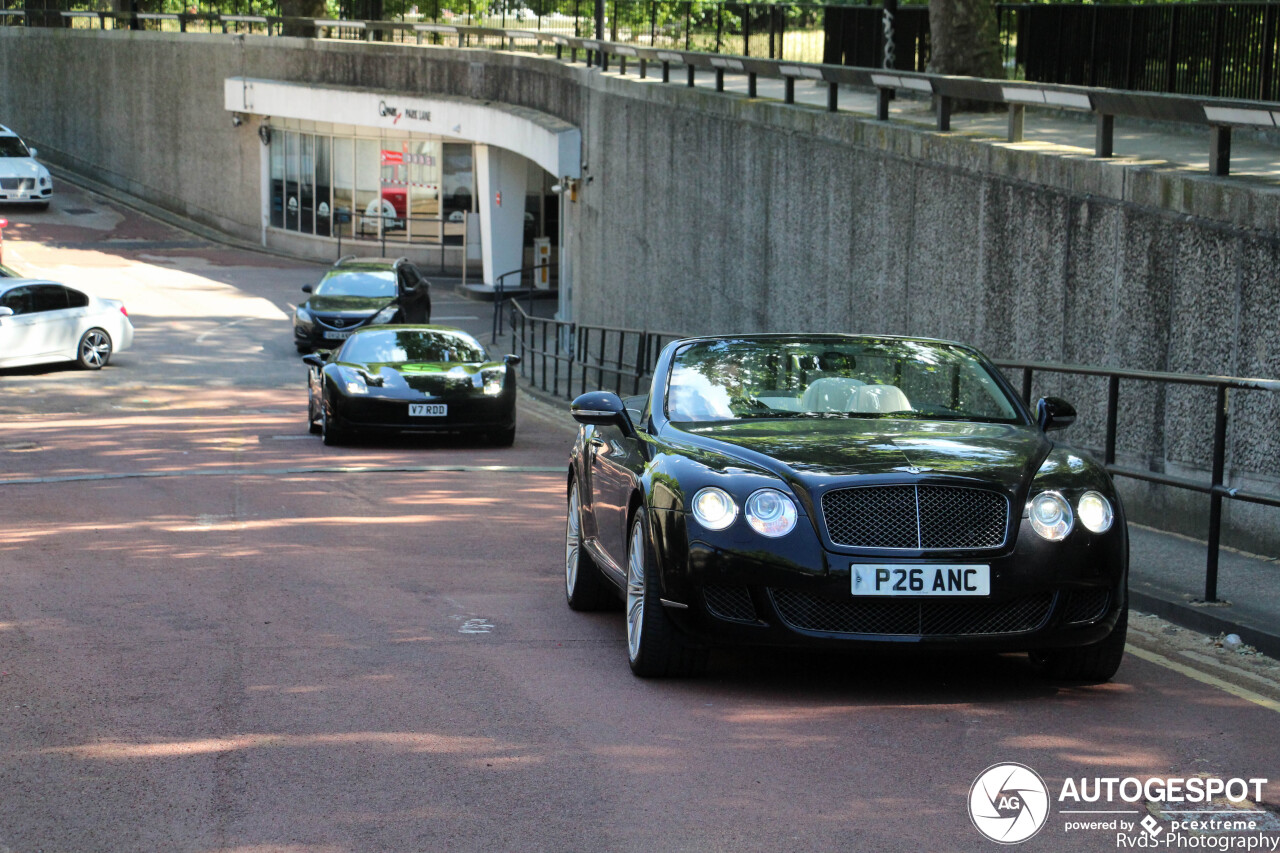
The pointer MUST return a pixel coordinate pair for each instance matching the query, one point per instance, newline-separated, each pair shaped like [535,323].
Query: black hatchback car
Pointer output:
[360,292]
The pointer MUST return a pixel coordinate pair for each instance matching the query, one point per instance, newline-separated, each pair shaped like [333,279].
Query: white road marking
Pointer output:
[476,626]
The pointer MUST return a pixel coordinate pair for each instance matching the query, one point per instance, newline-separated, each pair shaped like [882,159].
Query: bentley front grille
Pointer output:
[17,183]
[730,602]
[940,518]
[807,612]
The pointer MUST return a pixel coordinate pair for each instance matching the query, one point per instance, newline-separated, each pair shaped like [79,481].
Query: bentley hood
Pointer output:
[813,450]
[20,167]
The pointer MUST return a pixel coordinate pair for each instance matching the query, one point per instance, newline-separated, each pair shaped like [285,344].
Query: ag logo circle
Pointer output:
[1008,803]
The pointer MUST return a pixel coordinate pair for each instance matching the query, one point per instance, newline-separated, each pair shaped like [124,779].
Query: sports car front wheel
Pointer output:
[331,432]
[654,644]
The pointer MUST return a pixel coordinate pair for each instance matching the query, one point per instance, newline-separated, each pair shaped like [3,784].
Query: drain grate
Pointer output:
[78,211]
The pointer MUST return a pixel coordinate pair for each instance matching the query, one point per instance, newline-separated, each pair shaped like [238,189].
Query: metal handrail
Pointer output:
[499,294]
[343,217]
[1216,489]
[1219,115]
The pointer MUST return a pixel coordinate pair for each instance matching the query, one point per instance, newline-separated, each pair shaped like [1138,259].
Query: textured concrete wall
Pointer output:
[710,213]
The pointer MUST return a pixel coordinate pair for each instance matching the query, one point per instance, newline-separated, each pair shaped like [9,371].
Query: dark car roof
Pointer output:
[417,327]
[361,266]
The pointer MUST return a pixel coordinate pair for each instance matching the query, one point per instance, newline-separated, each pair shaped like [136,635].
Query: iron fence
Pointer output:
[1215,49]
[565,359]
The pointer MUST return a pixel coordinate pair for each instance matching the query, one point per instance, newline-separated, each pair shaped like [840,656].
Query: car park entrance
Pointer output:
[450,182]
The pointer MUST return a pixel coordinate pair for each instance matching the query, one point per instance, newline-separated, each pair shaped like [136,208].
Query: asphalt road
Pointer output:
[217,634]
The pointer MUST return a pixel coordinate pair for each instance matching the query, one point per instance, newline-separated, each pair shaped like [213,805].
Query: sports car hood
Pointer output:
[817,449]
[433,378]
[348,304]
[20,167]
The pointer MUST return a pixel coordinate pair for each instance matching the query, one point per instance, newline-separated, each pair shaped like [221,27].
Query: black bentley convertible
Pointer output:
[404,379]
[832,490]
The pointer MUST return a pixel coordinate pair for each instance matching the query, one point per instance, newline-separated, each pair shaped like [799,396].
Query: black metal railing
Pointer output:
[500,289]
[398,229]
[565,359]
[1217,49]
[1216,488]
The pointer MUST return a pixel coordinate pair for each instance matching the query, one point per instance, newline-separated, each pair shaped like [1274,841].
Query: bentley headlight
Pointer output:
[1095,512]
[44,181]
[385,315]
[771,513]
[714,508]
[1050,516]
[353,381]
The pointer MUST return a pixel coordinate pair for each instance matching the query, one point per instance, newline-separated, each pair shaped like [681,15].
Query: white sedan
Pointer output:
[43,321]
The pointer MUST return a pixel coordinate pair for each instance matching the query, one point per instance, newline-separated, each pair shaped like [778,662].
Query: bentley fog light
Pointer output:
[1050,516]
[714,509]
[1095,512]
[771,513]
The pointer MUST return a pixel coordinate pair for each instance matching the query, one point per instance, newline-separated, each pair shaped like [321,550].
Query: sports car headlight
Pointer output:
[771,513]
[493,382]
[714,509]
[1050,516]
[385,315]
[353,381]
[1095,512]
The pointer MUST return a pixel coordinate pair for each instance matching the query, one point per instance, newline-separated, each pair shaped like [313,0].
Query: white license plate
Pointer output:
[921,579]
[428,410]
[336,336]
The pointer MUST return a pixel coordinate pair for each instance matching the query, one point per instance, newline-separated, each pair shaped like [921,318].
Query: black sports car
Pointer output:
[832,490]
[359,292]
[411,379]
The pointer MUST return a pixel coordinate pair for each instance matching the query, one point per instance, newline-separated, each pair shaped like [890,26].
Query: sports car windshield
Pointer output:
[381,283]
[11,146]
[727,380]
[411,345]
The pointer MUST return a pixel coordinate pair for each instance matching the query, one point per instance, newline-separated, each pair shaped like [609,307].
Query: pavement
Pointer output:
[1255,155]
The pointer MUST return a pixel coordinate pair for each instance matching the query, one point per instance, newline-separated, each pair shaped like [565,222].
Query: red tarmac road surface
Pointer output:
[211,640]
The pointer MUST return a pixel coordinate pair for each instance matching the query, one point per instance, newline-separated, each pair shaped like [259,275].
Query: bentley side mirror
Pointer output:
[34,152]
[1054,413]
[511,360]
[601,408]
[306,288]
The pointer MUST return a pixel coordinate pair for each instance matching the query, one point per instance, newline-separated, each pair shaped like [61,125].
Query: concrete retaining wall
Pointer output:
[704,213]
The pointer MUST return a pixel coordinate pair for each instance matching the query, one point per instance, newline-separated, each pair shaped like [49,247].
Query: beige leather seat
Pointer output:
[880,399]
[831,394]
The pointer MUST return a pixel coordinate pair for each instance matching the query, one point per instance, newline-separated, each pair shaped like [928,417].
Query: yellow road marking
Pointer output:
[1204,678]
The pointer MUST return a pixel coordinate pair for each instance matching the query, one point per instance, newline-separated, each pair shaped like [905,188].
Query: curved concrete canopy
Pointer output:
[553,144]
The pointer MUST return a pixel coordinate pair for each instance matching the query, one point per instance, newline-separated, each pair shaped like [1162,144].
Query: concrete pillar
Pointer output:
[501,178]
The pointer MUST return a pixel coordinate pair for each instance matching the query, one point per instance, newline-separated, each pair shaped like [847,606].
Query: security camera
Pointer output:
[236,120]
[557,188]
